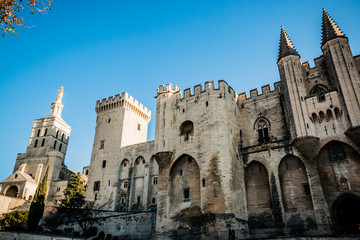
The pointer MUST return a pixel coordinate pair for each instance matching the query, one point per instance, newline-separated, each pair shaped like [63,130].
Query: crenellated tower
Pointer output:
[293,78]
[121,121]
[341,67]
[164,99]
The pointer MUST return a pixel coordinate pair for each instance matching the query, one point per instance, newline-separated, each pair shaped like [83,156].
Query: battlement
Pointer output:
[255,96]
[198,91]
[169,88]
[124,100]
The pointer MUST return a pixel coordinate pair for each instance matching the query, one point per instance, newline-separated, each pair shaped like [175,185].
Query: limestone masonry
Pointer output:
[283,162]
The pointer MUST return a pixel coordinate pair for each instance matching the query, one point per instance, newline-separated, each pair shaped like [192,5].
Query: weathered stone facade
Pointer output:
[46,149]
[283,162]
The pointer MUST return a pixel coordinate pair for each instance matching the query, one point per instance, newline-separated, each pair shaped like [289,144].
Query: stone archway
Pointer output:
[258,196]
[12,191]
[346,214]
[184,189]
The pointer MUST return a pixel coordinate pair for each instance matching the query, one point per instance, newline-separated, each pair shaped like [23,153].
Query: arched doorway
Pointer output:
[12,191]
[184,184]
[346,214]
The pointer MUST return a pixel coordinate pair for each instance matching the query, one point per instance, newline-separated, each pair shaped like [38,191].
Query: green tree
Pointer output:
[74,194]
[14,220]
[37,206]
[10,10]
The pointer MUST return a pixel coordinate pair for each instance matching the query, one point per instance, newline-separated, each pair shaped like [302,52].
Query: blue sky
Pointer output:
[96,50]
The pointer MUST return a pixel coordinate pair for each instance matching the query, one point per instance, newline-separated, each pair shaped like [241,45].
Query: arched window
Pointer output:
[262,127]
[43,142]
[314,117]
[337,113]
[62,137]
[45,132]
[36,142]
[320,91]
[38,133]
[55,144]
[60,147]
[186,129]
[57,134]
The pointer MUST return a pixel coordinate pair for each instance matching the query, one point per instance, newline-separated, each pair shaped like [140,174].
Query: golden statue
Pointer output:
[60,95]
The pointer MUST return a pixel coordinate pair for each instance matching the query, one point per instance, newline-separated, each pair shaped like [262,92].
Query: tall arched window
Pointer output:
[43,142]
[263,130]
[62,137]
[45,132]
[36,142]
[57,134]
[55,144]
[60,147]
[38,133]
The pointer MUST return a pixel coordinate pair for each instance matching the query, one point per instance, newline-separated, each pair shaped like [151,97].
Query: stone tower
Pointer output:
[293,78]
[121,121]
[46,148]
[341,67]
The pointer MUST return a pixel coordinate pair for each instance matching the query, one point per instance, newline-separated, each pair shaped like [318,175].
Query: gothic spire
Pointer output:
[286,47]
[329,28]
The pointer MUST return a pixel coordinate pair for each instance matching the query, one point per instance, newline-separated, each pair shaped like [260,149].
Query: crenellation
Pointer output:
[123,100]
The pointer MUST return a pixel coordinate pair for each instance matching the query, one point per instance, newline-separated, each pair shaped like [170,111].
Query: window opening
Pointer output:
[186,194]
[263,131]
[153,201]
[125,184]
[336,154]
[203,182]
[60,146]
[43,142]
[36,142]
[102,144]
[55,144]
[96,185]
[38,133]
[45,132]
[307,190]
[104,164]
[155,180]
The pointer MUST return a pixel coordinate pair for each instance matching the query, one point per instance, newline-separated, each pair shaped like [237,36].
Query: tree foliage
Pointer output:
[37,205]
[14,220]
[74,194]
[10,11]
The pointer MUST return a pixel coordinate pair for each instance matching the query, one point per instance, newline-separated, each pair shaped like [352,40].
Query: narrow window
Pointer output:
[102,144]
[45,132]
[183,110]
[155,180]
[181,172]
[62,137]
[104,164]
[186,194]
[263,131]
[203,182]
[153,200]
[321,97]
[96,185]
[87,172]
[60,147]
[58,189]
[307,190]
[125,184]
[109,183]
[138,199]
[122,200]
[55,144]
[57,134]
[36,142]
[95,196]
[138,127]
[207,103]
[109,120]
[186,129]
[43,142]
[38,133]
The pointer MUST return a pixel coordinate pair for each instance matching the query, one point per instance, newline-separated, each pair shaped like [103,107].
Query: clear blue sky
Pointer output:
[97,49]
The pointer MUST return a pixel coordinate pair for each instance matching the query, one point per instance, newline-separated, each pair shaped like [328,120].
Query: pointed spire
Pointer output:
[286,47]
[329,28]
